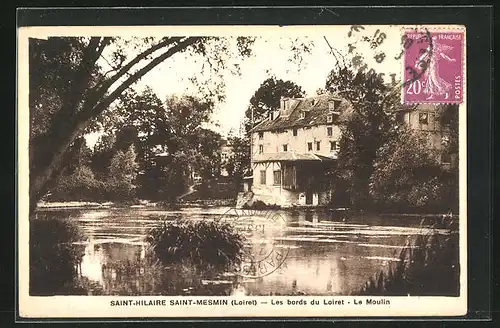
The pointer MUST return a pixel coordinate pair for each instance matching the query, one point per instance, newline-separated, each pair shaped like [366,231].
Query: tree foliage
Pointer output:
[364,129]
[407,174]
[238,164]
[122,174]
[70,88]
[171,140]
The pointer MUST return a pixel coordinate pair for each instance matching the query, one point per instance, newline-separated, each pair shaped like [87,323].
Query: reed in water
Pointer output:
[428,266]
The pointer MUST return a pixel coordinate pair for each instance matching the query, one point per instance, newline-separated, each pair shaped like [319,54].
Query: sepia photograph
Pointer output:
[239,162]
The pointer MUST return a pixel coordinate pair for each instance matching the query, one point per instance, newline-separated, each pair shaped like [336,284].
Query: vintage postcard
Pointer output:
[242,171]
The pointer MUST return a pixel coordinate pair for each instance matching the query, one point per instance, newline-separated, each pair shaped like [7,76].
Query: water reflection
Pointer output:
[326,253]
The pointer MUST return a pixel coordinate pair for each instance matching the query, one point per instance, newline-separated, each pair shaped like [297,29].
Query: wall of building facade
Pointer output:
[271,193]
[273,142]
[428,125]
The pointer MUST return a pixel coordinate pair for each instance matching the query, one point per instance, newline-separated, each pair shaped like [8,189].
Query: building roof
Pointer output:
[316,108]
[290,157]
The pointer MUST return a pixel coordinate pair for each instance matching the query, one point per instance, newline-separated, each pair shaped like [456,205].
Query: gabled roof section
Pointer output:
[290,157]
[316,108]
[419,106]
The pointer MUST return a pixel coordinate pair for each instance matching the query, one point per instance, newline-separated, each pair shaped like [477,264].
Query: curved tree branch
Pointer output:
[92,107]
[101,106]
[125,69]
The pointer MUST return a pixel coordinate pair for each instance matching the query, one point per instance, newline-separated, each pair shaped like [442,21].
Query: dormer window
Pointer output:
[302,115]
[331,117]
[272,116]
[333,105]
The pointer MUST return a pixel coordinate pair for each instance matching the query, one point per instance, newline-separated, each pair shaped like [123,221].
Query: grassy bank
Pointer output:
[428,266]
[54,259]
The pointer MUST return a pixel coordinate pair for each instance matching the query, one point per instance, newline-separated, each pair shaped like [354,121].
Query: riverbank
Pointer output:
[140,204]
[346,212]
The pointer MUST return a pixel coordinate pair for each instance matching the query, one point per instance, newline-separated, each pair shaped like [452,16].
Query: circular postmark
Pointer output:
[264,251]
[415,53]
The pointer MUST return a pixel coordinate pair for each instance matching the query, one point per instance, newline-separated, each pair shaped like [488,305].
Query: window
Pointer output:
[309,146]
[331,105]
[261,135]
[445,158]
[302,114]
[261,149]
[277,177]
[285,147]
[329,131]
[333,145]
[329,118]
[318,145]
[423,118]
[263,177]
[294,132]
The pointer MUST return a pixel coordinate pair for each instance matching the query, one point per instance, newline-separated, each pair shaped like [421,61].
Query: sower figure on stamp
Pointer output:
[435,85]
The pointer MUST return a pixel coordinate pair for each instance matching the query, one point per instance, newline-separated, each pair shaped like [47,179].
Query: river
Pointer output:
[315,252]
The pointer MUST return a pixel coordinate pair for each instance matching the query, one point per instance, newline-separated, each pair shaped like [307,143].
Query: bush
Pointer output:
[428,266]
[260,205]
[53,256]
[206,245]
[81,185]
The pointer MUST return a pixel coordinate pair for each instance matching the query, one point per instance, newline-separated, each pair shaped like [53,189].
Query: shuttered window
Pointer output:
[263,177]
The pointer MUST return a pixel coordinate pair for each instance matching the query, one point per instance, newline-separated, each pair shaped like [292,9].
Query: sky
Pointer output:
[271,54]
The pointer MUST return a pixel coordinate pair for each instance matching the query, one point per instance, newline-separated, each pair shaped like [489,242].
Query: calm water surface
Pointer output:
[304,252]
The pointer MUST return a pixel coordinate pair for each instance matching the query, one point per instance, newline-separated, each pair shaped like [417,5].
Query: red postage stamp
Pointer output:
[433,66]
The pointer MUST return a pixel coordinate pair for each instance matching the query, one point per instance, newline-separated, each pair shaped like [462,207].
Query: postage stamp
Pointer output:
[433,70]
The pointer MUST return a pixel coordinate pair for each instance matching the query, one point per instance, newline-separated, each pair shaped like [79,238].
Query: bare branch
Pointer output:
[125,69]
[332,51]
[97,109]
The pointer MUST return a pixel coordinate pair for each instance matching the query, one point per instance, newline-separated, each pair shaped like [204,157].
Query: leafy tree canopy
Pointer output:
[70,87]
